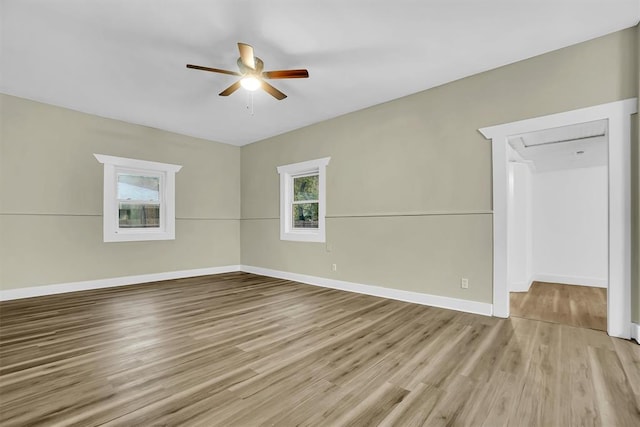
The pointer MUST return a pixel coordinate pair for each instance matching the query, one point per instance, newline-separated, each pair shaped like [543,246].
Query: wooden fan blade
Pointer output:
[246,54]
[286,74]
[213,70]
[228,91]
[273,91]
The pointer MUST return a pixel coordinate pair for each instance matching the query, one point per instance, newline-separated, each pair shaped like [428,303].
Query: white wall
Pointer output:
[570,226]
[519,222]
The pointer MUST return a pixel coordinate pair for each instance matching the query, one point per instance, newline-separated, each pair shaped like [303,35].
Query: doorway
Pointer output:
[617,114]
[557,224]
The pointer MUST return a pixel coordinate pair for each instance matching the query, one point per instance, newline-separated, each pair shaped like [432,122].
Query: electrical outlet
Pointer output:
[329,247]
[334,267]
[464,283]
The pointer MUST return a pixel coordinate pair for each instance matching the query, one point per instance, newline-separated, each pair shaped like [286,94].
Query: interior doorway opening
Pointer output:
[618,118]
[557,224]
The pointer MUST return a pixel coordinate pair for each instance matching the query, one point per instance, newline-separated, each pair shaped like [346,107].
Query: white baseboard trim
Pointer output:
[520,286]
[572,280]
[635,332]
[378,291]
[396,294]
[60,288]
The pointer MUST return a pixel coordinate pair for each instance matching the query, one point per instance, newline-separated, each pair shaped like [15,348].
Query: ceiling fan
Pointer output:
[252,76]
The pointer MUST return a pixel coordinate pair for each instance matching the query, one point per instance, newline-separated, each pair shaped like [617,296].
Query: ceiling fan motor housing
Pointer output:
[247,70]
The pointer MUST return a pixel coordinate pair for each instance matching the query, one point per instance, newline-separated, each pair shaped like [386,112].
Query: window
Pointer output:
[139,199]
[302,201]
[138,195]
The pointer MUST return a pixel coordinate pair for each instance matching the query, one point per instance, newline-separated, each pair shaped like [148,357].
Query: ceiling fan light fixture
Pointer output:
[251,75]
[250,83]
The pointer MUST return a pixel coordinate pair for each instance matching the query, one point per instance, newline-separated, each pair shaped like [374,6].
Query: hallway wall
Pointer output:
[570,226]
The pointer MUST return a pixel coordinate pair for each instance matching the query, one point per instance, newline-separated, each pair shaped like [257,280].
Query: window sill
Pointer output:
[302,236]
[138,237]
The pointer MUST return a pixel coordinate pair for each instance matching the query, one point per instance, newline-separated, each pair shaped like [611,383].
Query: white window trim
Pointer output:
[167,172]
[287,173]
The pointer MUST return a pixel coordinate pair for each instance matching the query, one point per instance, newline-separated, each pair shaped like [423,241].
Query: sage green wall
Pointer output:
[409,182]
[51,198]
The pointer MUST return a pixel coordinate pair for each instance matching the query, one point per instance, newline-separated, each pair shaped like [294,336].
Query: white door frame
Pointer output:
[618,115]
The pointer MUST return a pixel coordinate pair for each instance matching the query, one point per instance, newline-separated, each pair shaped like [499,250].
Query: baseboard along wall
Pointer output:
[396,294]
[61,288]
[520,286]
[635,332]
[378,291]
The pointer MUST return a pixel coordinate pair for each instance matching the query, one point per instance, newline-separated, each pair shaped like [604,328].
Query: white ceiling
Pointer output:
[581,145]
[125,59]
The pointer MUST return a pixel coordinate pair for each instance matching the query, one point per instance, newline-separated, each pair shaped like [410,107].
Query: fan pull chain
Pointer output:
[250,104]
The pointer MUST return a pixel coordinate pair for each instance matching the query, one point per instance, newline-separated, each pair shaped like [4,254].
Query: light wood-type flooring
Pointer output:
[245,350]
[582,306]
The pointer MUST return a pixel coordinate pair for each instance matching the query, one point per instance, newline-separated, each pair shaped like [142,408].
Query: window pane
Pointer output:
[139,216]
[305,188]
[138,187]
[305,215]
